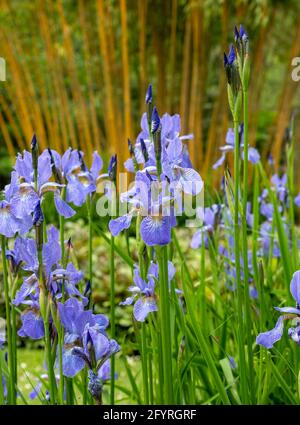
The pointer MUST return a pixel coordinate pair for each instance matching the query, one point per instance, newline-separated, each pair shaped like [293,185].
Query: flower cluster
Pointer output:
[163,173]
[66,176]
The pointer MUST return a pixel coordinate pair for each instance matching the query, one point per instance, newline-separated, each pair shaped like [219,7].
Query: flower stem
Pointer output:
[112,317]
[45,313]
[245,249]
[162,256]
[90,240]
[12,390]
[144,363]
[143,350]
[242,360]
[61,375]
[1,382]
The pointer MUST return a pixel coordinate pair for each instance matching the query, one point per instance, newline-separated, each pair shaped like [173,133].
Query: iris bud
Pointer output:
[144,150]
[34,153]
[95,386]
[112,168]
[148,98]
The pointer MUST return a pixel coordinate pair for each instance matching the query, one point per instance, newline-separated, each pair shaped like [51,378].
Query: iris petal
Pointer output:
[156,230]
[295,287]
[117,225]
[143,307]
[62,207]
[268,339]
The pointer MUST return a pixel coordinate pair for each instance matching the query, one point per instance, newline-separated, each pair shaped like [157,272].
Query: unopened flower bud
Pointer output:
[112,168]
[148,98]
[95,386]
[144,150]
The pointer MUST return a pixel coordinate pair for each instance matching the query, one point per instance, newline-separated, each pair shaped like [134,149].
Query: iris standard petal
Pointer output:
[97,165]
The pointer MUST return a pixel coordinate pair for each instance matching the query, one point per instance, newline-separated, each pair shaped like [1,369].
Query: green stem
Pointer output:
[144,363]
[291,159]
[1,383]
[143,349]
[61,375]
[70,390]
[51,376]
[12,390]
[164,304]
[245,251]
[90,241]
[112,317]
[12,283]
[242,362]
[44,306]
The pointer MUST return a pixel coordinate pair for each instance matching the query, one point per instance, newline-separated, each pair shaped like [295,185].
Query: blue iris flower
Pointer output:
[84,332]
[253,155]
[143,292]
[57,279]
[268,339]
[178,176]
[79,180]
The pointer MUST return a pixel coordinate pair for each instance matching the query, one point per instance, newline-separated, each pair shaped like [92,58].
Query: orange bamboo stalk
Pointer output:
[80,106]
[126,73]
[287,95]
[142,14]
[110,118]
[60,111]
[172,56]
[185,75]
[87,61]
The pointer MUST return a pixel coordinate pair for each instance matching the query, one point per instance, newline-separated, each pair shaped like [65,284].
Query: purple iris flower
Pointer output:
[297,200]
[158,197]
[268,339]
[58,280]
[83,181]
[144,291]
[253,155]
[170,132]
[24,196]
[150,203]
[280,184]
[209,219]
[265,240]
[84,331]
